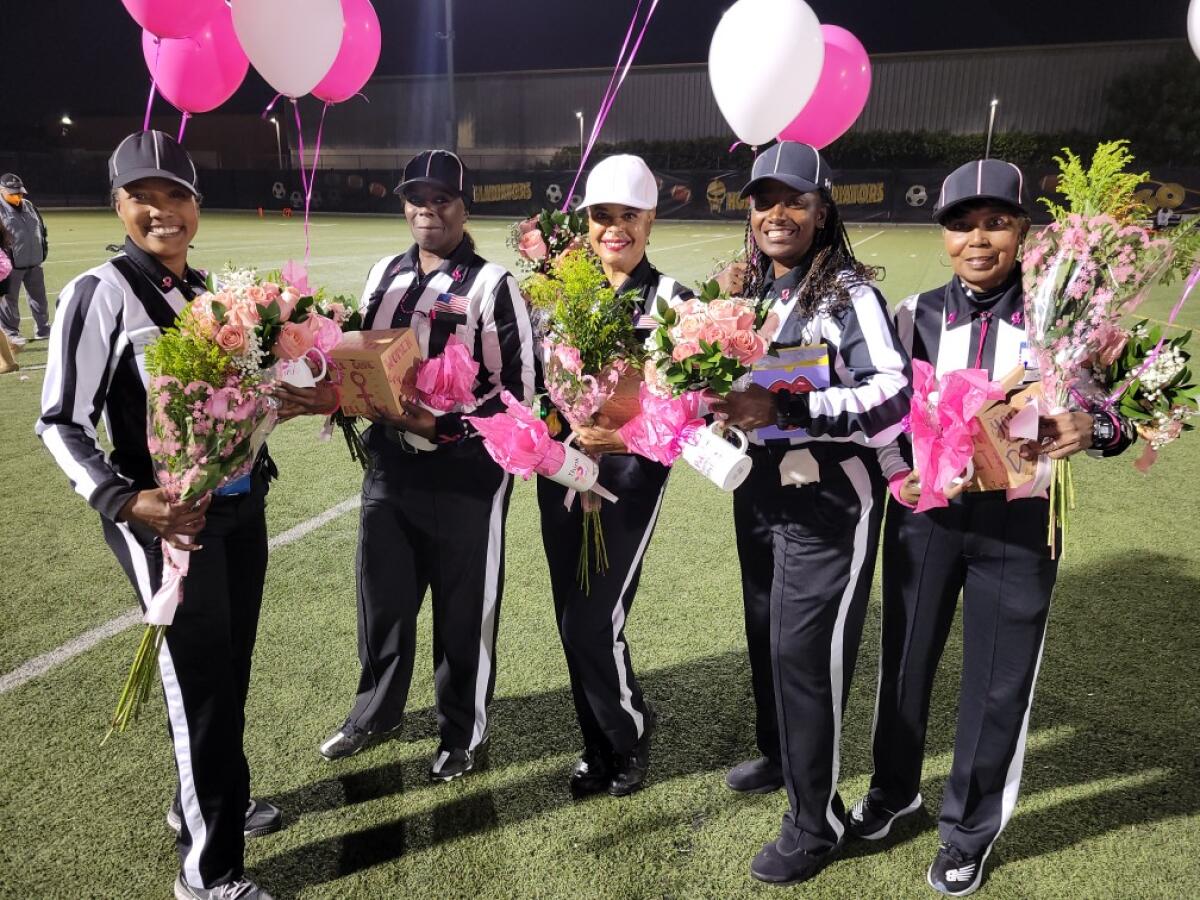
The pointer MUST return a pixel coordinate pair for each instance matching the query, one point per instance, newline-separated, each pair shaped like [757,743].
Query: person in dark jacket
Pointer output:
[27,247]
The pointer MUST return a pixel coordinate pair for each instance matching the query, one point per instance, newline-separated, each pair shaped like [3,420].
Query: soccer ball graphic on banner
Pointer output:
[554,194]
[297,198]
[278,191]
[576,199]
[917,195]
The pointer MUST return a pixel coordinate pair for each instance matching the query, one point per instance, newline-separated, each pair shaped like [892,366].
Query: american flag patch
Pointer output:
[451,305]
[645,323]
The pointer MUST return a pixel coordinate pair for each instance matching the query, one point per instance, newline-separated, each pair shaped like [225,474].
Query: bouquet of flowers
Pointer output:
[710,342]
[1158,393]
[591,342]
[1093,265]
[541,239]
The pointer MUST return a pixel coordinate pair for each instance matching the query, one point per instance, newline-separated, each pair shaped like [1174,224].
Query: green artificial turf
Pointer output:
[1111,796]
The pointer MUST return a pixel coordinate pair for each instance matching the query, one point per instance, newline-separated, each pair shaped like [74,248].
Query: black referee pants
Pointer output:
[205,668]
[430,521]
[608,699]
[824,538]
[994,552]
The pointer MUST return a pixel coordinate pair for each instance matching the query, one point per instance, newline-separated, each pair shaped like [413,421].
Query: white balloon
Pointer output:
[1194,26]
[764,63]
[292,43]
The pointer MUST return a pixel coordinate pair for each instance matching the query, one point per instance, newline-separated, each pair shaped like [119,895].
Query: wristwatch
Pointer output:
[1104,430]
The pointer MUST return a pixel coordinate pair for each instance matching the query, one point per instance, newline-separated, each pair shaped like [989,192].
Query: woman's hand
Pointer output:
[1060,436]
[752,408]
[732,278]
[170,521]
[415,420]
[321,400]
[597,440]
[910,489]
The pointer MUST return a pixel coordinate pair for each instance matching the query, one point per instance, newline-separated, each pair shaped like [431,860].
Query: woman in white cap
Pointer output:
[809,514]
[106,319]
[987,547]
[434,504]
[616,721]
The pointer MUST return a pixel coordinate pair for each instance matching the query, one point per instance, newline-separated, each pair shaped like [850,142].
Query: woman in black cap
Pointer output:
[105,320]
[434,504]
[989,548]
[808,516]
[616,721]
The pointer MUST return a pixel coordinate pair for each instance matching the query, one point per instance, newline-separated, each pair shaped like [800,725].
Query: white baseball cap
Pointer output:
[625,180]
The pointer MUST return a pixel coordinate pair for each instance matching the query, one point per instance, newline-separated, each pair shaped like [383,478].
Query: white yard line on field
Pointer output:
[723,237]
[868,238]
[40,665]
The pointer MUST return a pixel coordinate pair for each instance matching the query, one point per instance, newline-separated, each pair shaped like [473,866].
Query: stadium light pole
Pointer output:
[987,153]
[451,107]
[278,142]
[579,116]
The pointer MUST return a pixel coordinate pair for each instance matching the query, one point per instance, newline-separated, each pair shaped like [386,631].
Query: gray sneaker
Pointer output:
[261,818]
[242,889]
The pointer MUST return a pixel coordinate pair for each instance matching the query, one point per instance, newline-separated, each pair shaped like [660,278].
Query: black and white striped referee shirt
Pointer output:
[106,318]
[484,310]
[869,393]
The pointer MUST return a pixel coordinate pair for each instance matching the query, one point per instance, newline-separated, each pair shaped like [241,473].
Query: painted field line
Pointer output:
[40,665]
[723,237]
[868,238]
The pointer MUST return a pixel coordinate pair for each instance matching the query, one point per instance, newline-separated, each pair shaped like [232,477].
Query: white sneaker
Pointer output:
[17,341]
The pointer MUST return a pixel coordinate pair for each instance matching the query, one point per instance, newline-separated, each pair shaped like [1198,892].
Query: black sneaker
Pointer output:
[452,762]
[774,866]
[871,820]
[261,818]
[350,739]
[242,889]
[954,873]
[755,776]
[630,769]
[592,772]
[42,336]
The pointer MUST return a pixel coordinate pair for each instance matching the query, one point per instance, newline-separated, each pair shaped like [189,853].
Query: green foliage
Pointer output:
[585,312]
[187,358]
[1103,188]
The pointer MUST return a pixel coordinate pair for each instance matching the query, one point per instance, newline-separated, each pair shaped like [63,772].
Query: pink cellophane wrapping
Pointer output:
[943,431]
[448,380]
[519,441]
[658,432]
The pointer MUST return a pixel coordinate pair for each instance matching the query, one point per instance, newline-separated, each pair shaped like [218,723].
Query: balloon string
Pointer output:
[1115,396]
[614,88]
[312,180]
[182,125]
[270,106]
[153,84]
[303,176]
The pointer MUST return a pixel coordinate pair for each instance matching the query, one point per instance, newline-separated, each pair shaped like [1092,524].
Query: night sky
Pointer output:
[84,56]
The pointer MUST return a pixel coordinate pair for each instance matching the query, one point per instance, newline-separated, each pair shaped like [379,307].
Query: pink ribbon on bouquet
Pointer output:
[944,425]
[663,426]
[614,87]
[448,380]
[161,608]
[518,441]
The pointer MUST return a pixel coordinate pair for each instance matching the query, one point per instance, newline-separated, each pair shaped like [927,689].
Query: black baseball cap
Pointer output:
[983,179]
[440,168]
[797,165]
[151,154]
[12,183]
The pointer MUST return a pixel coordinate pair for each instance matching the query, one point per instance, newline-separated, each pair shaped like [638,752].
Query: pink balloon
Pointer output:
[172,18]
[357,57]
[840,95]
[200,72]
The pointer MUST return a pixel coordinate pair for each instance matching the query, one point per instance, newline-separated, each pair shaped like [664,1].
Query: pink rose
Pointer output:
[271,290]
[231,339]
[293,341]
[288,299]
[747,347]
[690,327]
[722,308]
[683,350]
[569,357]
[715,334]
[527,226]
[745,319]
[339,313]
[533,246]
[244,315]
[205,322]
[256,294]
[325,333]
[1110,343]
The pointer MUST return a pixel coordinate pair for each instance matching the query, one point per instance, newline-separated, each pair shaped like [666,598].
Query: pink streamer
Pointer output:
[307,179]
[161,608]
[614,87]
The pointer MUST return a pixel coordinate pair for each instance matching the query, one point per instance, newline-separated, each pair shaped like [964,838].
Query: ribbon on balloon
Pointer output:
[624,63]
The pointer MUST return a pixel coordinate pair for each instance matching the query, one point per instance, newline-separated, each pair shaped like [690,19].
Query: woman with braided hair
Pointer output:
[808,516]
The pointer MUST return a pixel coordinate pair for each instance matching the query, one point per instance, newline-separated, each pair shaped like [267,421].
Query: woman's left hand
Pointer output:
[313,401]
[596,440]
[752,408]
[415,420]
[1061,436]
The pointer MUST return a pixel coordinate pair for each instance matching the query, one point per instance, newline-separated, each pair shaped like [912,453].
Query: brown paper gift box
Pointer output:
[624,404]
[997,459]
[375,366]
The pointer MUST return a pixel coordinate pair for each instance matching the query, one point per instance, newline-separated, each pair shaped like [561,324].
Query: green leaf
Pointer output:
[219,312]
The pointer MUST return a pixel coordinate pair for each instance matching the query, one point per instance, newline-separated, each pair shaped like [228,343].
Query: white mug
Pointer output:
[297,373]
[578,471]
[725,465]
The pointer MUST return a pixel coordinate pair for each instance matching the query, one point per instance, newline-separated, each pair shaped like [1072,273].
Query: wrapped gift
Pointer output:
[375,368]
[997,456]
[797,370]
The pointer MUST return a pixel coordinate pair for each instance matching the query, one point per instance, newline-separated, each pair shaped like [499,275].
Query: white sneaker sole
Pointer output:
[883,832]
